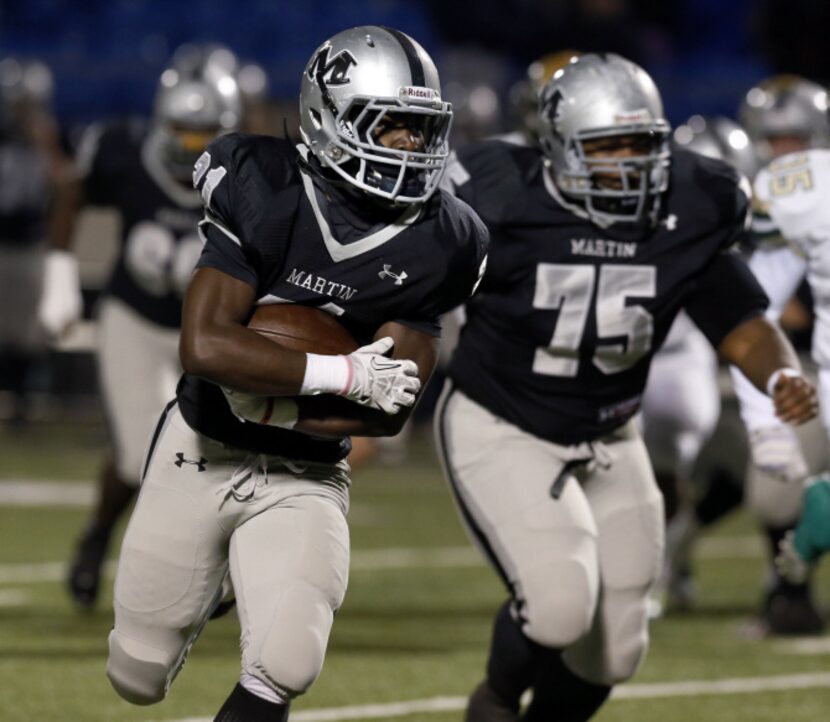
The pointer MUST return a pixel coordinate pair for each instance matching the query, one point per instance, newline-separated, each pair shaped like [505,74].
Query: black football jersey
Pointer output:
[559,338]
[160,243]
[24,194]
[274,223]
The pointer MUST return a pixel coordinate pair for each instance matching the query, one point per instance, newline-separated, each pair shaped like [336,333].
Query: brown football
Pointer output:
[302,328]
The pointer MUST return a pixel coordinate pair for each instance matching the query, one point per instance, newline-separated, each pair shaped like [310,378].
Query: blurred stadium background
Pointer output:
[411,640]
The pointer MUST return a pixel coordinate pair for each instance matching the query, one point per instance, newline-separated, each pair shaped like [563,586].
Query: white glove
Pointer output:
[266,410]
[789,563]
[379,382]
[61,303]
[776,452]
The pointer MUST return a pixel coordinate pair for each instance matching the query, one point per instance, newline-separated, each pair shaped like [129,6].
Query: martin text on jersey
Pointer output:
[603,248]
[320,285]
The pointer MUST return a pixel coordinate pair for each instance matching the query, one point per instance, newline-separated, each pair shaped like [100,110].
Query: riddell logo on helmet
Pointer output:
[633,116]
[418,93]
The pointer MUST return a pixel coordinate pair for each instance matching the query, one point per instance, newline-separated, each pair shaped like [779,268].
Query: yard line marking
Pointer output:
[804,645]
[38,573]
[46,493]
[14,597]
[32,573]
[407,558]
[737,685]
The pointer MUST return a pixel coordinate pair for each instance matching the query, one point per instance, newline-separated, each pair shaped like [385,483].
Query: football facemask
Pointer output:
[400,175]
[618,188]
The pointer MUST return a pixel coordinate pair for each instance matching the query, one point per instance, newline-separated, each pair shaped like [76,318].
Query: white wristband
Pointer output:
[326,375]
[777,374]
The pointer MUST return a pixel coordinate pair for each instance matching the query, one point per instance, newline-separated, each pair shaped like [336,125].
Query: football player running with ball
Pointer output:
[350,221]
[597,241]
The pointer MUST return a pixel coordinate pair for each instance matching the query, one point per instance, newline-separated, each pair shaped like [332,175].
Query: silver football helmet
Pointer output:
[785,106]
[718,137]
[354,82]
[605,96]
[524,94]
[198,99]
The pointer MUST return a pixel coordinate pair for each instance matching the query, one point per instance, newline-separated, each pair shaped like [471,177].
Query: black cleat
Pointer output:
[485,705]
[789,610]
[85,572]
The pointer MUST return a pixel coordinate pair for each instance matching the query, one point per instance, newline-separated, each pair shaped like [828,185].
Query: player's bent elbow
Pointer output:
[196,355]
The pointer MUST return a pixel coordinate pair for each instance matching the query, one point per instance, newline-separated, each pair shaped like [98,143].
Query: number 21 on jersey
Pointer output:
[570,289]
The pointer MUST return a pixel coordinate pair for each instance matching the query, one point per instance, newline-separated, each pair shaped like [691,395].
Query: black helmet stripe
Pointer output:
[416,67]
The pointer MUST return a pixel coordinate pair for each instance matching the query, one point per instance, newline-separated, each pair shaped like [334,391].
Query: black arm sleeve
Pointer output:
[725,295]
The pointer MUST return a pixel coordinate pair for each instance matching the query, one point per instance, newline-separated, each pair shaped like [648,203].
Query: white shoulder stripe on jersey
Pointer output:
[209,219]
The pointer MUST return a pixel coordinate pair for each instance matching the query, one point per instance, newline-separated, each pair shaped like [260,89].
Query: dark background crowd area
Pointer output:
[107,54]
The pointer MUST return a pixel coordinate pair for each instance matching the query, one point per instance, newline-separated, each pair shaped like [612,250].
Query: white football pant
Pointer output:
[580,567]
[205,509]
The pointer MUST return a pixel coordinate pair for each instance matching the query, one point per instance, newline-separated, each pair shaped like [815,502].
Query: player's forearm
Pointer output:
[235,357]
[758,348]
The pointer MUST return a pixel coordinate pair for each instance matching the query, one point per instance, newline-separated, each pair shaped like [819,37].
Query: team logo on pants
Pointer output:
[200,464]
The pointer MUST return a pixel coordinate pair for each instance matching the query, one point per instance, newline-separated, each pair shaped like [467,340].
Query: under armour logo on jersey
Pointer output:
[200,464]
[387,271]
[331,72]
[670,222]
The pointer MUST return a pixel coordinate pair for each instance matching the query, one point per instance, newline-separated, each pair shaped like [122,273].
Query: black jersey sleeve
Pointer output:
[725,294]
[249,203]
[464,239]
[728,192]
[471,240]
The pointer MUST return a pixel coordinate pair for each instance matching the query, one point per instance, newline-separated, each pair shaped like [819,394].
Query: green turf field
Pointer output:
[414,627]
